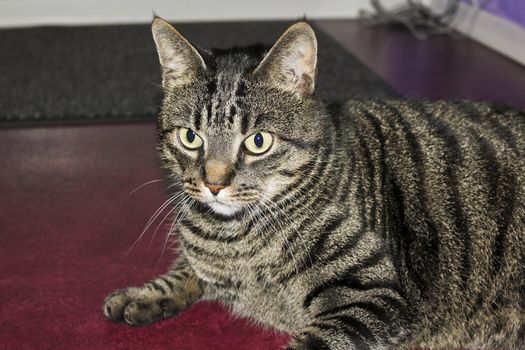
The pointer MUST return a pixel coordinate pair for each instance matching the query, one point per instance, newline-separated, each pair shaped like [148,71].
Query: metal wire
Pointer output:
[419,19]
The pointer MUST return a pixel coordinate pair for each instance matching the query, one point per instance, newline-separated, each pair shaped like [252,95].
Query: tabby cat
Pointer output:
[377,224]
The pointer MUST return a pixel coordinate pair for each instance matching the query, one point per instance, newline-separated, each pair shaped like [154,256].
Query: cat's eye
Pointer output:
[189,139]
[258,143]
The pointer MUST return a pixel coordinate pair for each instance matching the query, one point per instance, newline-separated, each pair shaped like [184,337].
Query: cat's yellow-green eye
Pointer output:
[258,143]
[189,139]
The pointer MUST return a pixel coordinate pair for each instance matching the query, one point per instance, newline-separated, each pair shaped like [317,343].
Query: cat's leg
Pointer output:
[374,320]
[160,298]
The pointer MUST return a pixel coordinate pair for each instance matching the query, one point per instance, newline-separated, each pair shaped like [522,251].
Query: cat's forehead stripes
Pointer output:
[224,107]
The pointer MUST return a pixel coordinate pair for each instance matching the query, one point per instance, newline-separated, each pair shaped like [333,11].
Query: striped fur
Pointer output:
[376,224]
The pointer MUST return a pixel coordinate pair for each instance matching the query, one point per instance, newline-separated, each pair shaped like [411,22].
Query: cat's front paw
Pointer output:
[136,306]
[115,304]
[307,343]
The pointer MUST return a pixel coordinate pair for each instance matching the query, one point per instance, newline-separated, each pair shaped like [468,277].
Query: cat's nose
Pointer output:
[214,188]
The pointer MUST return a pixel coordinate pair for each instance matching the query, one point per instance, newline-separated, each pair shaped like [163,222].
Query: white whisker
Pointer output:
[279,233]
[292,223]
[152,219]
[162,221]
[187,203]
[145,184]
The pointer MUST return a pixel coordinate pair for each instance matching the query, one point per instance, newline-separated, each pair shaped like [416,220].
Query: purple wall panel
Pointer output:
[513,10]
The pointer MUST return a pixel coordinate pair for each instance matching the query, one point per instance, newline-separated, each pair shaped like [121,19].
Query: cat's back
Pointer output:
[454,173]
[460,126]
[472,141]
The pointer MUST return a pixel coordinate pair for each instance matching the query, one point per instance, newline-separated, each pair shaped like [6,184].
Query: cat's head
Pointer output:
[238,127]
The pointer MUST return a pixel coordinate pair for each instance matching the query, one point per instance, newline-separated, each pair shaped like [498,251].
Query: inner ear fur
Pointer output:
[292,61]
[181,63]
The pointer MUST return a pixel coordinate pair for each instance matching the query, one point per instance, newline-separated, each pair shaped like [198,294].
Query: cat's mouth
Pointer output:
[223,208]
[226,201]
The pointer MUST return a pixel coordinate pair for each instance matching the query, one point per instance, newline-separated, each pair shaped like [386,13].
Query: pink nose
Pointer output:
[214,189]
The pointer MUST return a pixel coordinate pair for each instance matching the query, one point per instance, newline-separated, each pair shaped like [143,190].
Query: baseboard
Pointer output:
[23,13]
[495,32]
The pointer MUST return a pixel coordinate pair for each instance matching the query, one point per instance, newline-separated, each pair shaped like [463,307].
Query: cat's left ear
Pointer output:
[181,62]
[292,62]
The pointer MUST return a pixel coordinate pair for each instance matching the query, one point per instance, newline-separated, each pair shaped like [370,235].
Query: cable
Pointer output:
[419,19]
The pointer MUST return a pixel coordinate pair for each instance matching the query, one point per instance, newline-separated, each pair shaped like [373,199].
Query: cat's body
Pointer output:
[372,225]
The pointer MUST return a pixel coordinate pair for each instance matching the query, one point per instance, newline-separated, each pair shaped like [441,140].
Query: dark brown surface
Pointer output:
[67,217]
[442,67]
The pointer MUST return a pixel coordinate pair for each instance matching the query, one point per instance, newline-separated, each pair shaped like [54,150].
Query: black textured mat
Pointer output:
[111,72]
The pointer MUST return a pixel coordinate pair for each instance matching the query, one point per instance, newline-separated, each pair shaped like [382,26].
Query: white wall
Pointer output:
[504,36]
[17,13]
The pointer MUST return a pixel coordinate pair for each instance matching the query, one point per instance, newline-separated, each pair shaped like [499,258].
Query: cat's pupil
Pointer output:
[190,135]
[258,140]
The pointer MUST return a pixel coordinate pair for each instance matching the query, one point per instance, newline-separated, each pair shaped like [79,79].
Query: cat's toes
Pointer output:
[307,343]
[138,313]
[139,306]
[141,313]
[115,304]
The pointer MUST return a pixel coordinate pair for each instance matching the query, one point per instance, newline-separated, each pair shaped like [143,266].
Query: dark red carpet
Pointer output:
[67,219]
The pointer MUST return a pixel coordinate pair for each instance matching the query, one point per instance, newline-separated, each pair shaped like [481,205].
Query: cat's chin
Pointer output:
[224,209]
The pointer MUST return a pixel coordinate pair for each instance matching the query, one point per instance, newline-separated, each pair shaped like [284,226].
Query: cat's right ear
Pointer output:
[291,64]
[181,62]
